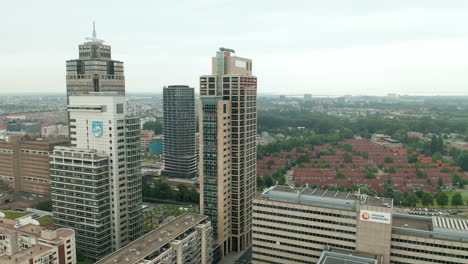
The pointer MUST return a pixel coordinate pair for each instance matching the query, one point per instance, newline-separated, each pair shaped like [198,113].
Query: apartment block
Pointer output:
[185,240]
[228,128]
[302,225]
[81,197]
[24,163]
[23,241]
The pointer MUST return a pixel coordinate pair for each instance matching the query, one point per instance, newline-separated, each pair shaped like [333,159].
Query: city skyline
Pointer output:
[337,48]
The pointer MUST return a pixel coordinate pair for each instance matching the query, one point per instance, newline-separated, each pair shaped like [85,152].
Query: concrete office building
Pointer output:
[185,240]
[228,128]
[180,155]
[81,197]
[24,163]
[24,241]
[98,120]
[302,225]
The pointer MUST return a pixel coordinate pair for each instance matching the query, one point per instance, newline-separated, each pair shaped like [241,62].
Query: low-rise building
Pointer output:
[24,163]
[55,131]
[24,241]
[297,225]
[145,139]
[157,145]
[186,239]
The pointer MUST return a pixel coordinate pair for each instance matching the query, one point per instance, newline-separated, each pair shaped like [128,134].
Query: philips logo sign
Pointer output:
[97,128]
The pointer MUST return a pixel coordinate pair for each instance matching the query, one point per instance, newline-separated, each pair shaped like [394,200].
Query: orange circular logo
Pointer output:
[365,216]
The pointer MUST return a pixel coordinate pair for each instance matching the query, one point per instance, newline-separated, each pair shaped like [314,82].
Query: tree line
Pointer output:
[162,190]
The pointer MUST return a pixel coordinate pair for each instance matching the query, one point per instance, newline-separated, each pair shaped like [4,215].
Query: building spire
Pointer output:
[94,38]
[94,29]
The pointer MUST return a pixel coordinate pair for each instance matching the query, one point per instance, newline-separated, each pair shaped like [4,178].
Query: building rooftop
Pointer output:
[328,257]
[24,225]
[25,255]
[453,229]
[456,224]
[417,223]
[154,240]
[323,198]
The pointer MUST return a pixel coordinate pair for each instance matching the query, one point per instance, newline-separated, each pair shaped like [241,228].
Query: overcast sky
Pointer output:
[322,47]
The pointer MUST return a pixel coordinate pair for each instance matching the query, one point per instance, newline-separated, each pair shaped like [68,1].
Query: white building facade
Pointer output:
[99,121]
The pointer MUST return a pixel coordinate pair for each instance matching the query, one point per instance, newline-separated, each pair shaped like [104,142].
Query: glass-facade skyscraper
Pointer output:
[180,155]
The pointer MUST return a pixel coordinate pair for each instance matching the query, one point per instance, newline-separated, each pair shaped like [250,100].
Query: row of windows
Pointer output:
[427,260]
[286,251]
[305,233]
[429,244]
[275,256]
[431,252]
[305,211]
[305,218]
[285,244]
[307,226]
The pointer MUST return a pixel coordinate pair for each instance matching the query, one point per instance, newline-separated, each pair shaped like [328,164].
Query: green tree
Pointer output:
[156,126]
[457,180]
[412,159]
[260,183]
[44,205]
[340,175]
[427,199]
[457,199]
[440,183]
[462,160]
[388,160]
[437,156]
[442,199]
[347,158]
[347,147]
[270,163]
[420,174]
[370,175]
[419,193]
[268,180]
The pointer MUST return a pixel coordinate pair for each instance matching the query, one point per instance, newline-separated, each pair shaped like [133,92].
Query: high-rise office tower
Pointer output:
[94,70]
[228,128]
[180,156]
[99,121]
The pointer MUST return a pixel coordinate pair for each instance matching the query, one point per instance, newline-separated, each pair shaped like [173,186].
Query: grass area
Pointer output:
[46,221]
[86,261]
[449,206]
[165,211]
[13,214]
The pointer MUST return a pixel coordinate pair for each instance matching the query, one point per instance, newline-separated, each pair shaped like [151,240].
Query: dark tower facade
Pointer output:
[180,155]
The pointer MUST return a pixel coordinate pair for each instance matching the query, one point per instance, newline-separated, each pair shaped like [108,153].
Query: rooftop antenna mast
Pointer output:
[94,29]
[94,38]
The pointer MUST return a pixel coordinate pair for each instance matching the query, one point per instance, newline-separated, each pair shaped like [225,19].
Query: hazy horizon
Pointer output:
[334,47]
